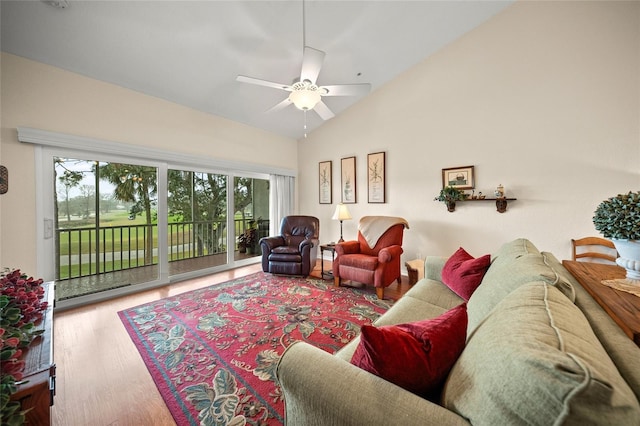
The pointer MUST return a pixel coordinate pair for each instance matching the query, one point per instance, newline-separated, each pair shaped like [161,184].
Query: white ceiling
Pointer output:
[190,52]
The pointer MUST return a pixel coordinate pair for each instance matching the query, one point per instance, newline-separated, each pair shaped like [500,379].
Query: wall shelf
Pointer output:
[501,203]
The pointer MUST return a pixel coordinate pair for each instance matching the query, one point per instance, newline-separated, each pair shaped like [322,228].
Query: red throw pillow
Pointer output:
[415,356]
[463,273]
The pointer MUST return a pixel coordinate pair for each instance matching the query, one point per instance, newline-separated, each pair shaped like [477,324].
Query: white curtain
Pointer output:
[281,200]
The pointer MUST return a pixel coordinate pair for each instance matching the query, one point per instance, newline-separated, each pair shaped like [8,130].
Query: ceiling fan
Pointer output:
[305,94]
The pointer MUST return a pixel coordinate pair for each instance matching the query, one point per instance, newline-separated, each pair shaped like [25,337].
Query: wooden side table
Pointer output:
[328,247]
[622,307]
[415,270]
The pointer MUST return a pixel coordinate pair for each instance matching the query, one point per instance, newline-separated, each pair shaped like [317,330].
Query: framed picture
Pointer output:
[376,177]
[458,177]
[325,182]
[348,180]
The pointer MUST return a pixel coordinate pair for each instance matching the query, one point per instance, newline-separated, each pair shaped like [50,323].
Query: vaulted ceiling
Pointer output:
[190,52]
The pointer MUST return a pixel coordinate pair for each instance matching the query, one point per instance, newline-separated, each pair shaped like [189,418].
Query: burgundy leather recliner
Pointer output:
[294,251]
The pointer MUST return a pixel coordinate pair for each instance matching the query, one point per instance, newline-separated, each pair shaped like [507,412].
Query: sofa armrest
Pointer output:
[322,389]
[433,267]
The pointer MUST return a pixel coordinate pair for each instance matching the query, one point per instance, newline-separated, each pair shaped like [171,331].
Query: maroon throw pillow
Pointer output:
[463,273]
[415,356]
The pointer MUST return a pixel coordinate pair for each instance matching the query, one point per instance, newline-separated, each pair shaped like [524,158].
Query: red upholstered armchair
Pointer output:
[375,257]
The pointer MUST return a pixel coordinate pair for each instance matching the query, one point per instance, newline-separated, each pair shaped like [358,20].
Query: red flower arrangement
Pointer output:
[21,308]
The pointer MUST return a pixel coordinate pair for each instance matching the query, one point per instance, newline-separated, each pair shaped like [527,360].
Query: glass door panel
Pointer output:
[197,220]
[251,215]
[106,226]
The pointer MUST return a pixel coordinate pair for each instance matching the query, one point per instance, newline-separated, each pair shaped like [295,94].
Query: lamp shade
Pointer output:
[305,99]
[341,213]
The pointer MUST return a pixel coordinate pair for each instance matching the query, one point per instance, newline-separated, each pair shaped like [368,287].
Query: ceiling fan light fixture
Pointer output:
[305,99]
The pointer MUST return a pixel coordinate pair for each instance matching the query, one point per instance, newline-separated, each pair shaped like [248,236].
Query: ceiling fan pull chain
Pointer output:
[305,123]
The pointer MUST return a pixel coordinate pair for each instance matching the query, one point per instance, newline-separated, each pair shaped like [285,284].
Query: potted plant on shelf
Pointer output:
[618,218]
[449,195]
[21,308]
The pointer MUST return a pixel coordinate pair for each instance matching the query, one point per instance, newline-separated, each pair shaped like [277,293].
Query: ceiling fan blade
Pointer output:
[259,82]
[347,89]
[323,111]
[281,105]
[311,64]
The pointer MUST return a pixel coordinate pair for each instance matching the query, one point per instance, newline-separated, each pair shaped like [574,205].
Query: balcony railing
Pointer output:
[96,250]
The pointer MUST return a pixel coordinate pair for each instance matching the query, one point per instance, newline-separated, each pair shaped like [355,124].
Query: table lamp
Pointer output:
[341,213]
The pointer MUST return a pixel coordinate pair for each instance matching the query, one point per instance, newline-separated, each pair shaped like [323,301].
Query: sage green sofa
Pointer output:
[539,351]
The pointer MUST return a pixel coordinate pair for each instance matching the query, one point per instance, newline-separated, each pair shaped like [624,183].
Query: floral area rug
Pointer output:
[212,352]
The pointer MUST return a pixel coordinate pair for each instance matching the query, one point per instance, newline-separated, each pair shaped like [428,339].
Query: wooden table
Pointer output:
[415,270]
[622,307]
[328,247]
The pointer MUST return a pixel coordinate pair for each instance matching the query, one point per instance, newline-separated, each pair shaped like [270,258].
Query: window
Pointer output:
[136,218]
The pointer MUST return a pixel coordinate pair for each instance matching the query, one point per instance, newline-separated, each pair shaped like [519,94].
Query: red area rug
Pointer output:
[212,352]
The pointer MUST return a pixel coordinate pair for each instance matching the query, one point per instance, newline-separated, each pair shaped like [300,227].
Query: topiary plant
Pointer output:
[619,217]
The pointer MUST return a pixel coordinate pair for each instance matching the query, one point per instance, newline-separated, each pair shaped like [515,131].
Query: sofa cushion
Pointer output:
[361,261]
[514,249]
[623,351]
[539,355]
[416,356]
[463,273]
[434,293]
[510,271]
[565,282]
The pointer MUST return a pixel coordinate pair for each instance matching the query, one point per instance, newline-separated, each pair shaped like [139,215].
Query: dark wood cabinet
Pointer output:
[38,385]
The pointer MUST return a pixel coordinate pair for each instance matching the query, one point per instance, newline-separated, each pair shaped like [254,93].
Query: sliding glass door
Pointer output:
[251,215]
[105,225]
[113,218]
[121,224]
[197,220]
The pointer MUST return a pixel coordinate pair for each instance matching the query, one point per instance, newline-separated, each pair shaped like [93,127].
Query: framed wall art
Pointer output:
[325,182]
[348,180]
[458,177]
[376,170]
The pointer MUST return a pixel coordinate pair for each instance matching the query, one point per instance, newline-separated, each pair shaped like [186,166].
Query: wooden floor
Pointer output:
[101,379]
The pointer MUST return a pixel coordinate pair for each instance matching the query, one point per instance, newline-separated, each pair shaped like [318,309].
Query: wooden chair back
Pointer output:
[590,248]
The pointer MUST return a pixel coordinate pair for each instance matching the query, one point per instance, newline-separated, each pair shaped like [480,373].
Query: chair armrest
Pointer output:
[387,254]
[311,242]
[347,247]
[272,242]
[348,396]
[433,267]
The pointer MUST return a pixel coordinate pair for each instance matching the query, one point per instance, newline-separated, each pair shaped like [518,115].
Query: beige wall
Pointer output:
[544,98]
[43,97]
